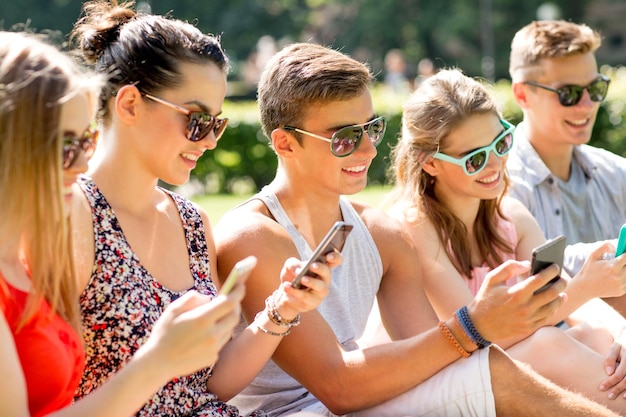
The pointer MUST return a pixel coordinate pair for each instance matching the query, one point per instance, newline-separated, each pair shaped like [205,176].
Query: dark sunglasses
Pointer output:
[570,95]
[347,139]
[475,161]
[199,124]
[72,144]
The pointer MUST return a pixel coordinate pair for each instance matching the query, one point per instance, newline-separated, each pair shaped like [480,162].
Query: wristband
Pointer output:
[470,330]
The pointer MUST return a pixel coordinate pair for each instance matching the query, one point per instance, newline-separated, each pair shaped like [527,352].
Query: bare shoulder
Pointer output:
[515,211]
[249,229]
[389,234]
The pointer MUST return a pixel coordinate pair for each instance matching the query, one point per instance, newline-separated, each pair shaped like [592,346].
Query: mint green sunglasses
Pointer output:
[475,161]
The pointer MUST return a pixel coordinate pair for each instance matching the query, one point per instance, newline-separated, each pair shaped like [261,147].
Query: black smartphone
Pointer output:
[333,241]
[239,273]
[550,252]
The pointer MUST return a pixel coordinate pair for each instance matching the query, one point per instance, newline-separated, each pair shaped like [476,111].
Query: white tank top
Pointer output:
[346,309]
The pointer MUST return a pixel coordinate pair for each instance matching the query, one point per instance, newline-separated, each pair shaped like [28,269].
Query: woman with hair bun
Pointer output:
[140,246]
[47,103]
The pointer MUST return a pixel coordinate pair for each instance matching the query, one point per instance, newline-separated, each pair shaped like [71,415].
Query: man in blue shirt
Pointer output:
[571,188]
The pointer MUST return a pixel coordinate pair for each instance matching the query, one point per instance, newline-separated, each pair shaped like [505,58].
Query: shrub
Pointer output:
[243,162]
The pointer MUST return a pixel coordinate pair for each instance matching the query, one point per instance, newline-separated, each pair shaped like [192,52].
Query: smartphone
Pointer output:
[621,241]
[239,273]
[333,241]
[550,252]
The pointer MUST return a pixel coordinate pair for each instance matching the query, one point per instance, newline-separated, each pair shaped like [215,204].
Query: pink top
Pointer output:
[479,272]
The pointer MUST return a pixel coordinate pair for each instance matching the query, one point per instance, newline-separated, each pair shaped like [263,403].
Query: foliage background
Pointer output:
[474,35]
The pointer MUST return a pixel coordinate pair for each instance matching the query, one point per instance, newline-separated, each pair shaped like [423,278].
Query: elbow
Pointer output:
[340,398]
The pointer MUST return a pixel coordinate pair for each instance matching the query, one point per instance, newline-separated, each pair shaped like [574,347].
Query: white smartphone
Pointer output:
[333,241]
[239,273]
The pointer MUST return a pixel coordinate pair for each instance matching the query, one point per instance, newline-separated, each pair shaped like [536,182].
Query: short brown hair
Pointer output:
[548,39]
[303,74]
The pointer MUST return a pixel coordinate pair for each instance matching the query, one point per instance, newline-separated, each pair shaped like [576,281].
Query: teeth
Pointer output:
[191,156]
[579,122]
[356,169]
[490,179]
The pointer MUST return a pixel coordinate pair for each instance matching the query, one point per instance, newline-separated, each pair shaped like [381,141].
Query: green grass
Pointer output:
[217,204]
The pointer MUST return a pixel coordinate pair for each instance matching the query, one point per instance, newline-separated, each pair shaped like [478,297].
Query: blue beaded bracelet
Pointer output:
[468,326]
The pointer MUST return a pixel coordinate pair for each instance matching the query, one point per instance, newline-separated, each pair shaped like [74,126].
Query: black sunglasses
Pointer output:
[347,139]
[199,124]
[570,95]
[73,143]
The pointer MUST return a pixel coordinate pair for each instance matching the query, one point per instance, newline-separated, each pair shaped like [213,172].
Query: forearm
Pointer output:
[244,357]
[346,387]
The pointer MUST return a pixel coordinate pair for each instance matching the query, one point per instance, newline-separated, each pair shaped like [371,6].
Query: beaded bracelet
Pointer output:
[266,331]
[466,337]
[469,328]
[450,338]
[274,315]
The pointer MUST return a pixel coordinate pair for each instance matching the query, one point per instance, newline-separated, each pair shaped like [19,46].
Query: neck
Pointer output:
[556,156]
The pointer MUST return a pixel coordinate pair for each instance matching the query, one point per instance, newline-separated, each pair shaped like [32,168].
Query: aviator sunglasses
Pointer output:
[475,161]
[199,124]
[73,143]
[570,95]
[347,139]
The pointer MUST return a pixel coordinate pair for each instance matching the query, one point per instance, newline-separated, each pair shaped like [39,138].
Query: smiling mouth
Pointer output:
[356,169]
[191,157]
[490,179]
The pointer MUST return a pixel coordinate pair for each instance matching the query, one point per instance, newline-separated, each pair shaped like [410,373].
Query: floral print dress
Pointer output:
[122,301]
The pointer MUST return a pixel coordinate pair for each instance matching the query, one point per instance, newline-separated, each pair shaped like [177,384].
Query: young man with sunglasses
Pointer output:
[571,188]
[317,111]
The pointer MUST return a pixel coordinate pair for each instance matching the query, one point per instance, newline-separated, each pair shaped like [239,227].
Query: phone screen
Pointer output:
[239,273]
[333,241]
[551,252]
[621,241]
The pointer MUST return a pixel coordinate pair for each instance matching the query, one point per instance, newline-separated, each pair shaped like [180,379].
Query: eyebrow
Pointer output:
[475,149]
[336,128]
[202,107]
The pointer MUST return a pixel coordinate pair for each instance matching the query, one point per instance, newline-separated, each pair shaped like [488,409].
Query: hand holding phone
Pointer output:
[239,273]
[621,241]
[333,241]
[550,252]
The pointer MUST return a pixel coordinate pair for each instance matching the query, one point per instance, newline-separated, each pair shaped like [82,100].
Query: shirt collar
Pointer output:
[537,171]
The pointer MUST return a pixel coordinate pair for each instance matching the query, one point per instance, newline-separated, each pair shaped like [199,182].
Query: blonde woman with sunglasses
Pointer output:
[450,172]
[139,246]
[46,108]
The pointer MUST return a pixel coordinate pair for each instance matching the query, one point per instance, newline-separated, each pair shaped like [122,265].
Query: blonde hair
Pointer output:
[441,103]
[36,79]
[548,39]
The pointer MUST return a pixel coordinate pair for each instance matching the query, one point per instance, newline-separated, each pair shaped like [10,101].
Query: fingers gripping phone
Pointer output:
[621,241]
[333,241]
[239,273]
[550,252]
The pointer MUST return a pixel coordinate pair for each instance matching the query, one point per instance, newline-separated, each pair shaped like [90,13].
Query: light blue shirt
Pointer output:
[589,207]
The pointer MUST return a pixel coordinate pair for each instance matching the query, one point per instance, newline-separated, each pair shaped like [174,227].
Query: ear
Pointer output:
[283,143]
[519,94]
[127,100]
[431,166]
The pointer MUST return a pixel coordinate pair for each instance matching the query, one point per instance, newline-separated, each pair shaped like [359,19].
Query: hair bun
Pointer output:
[100,27]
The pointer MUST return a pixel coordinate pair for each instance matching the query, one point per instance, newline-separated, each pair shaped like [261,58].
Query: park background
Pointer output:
[473,35]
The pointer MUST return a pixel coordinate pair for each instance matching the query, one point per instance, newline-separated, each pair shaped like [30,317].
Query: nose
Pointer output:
[209,141]
[366,147]
[79,165]
[496,161]
[585,100]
